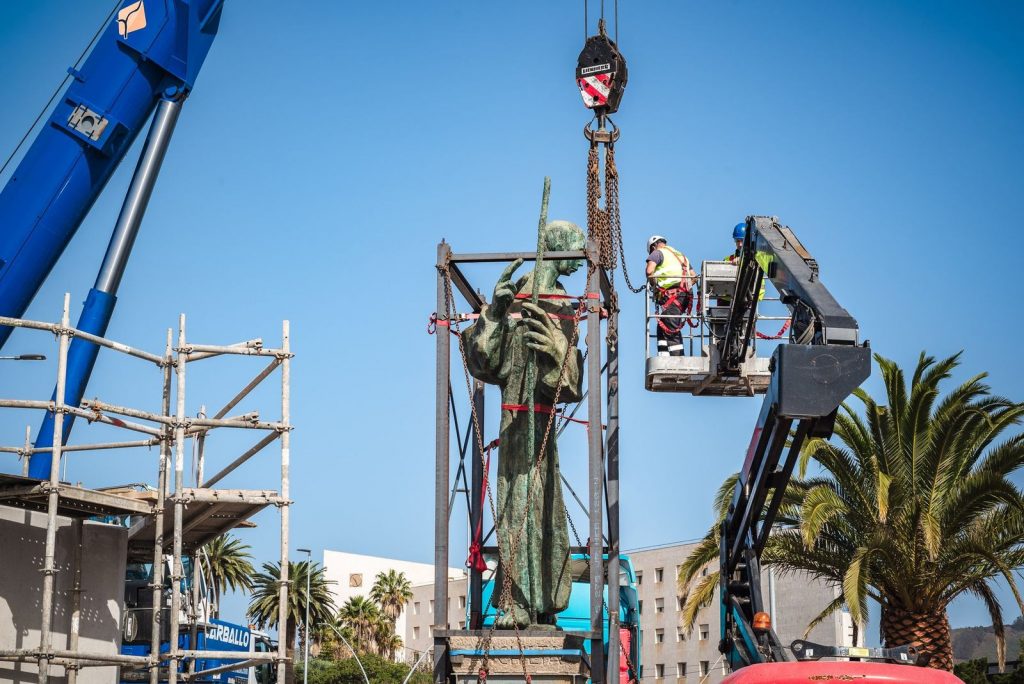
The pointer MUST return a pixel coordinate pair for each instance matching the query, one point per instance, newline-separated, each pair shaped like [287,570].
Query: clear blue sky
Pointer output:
[328,147]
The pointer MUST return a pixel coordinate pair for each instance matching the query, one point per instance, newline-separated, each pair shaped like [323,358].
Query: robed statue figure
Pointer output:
[516,343]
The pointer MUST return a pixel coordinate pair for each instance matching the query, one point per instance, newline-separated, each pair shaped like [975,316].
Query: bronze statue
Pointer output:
[524,357]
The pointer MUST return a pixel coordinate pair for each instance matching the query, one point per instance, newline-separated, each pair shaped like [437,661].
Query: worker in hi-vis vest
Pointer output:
[669,273]
[739,232]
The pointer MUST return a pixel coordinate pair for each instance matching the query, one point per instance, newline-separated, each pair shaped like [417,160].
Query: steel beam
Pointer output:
[442,437]
[595,448]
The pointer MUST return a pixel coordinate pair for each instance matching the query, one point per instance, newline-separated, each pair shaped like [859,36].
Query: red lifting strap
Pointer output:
[778,335]
[434,321]
[527,295]
[544,408]
[476,552]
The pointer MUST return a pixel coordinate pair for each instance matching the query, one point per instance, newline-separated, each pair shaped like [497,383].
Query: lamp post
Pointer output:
[305,624]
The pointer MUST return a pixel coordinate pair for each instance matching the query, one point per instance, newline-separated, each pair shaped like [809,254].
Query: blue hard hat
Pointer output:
[740,231]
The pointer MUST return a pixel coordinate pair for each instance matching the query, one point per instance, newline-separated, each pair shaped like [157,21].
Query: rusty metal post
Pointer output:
[595,448]
[177,573]
[476,502]
[158,513]
[612,489]
[282,618]
[49,569]
[442,437]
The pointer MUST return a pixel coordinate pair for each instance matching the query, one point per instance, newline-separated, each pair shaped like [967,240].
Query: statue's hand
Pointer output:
[543,336]
[505,290]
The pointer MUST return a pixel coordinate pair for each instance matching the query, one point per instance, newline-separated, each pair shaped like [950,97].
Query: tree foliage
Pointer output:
[913,505]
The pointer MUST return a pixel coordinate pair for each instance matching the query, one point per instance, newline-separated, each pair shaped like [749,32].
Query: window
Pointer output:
[703,668]
[415,632]
[704,571]
[680,634]
[462,602]
[640,607]
[704,632]
[659,636]
[639,577]
[679,603]
[659,671]
[680,669]
[462,625]
[659,605]
[659,575]
[416,608]
[355,579]
[430,606]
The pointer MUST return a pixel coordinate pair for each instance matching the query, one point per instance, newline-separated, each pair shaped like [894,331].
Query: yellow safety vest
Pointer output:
[762,260]
[669,273]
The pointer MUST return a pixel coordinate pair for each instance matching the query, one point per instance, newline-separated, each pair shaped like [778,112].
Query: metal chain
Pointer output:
[611,183]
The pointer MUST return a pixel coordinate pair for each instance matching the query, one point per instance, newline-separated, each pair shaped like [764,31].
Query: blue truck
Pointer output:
[210,634]
[576,618]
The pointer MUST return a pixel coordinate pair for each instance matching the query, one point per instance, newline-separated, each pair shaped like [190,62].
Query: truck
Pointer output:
[199,630]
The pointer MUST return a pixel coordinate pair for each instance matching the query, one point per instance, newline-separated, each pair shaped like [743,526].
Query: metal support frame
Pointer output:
[602,450]
[167,429]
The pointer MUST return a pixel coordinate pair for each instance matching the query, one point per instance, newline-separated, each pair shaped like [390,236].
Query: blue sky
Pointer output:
[326,150]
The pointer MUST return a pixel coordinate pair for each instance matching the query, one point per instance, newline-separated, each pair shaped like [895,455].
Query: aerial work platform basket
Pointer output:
[702,326]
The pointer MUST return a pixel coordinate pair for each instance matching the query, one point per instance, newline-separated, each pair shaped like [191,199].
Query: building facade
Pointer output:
[670,654]
[355,573]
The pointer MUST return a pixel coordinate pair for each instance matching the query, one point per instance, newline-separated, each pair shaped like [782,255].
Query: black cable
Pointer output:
[616,23]
[56,92]
[586,20]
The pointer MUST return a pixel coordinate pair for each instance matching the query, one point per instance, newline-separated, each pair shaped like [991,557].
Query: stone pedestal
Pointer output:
[549,657]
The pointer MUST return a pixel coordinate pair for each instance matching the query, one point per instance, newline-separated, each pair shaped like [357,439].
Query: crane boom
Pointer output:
[147,59]
[809,381]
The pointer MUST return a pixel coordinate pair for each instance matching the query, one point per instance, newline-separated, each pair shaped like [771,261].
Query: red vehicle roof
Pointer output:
[811,672]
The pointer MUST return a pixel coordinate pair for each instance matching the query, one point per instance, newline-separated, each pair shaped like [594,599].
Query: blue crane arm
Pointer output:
[151,47]
[147,59]
[810,380]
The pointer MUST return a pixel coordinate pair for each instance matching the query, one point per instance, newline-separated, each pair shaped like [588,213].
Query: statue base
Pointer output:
[549,657]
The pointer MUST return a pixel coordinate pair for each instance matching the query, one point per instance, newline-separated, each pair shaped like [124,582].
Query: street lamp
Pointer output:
[305,640]
[24,357]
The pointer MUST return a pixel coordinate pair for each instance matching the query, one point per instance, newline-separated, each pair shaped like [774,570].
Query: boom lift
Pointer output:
[810,378]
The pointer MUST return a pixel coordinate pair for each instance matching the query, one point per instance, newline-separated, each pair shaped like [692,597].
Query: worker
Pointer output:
[739,232]
[669,272]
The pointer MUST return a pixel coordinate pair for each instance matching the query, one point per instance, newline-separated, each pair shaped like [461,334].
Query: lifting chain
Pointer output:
[603,223]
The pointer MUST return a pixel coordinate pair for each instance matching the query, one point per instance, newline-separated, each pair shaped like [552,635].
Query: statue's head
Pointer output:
[564,236]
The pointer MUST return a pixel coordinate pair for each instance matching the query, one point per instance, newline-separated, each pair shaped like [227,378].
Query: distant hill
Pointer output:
[980,642]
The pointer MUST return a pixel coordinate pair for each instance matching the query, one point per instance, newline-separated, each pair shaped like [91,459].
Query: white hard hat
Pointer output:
[653,240]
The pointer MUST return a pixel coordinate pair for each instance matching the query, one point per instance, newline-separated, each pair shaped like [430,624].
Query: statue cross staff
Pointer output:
[531,362]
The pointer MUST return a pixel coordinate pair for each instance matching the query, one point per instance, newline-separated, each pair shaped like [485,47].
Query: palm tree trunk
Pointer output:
[289,670]
[928,631]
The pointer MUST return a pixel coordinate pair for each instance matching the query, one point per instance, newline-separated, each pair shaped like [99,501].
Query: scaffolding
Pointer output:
[198,513]
[602,449]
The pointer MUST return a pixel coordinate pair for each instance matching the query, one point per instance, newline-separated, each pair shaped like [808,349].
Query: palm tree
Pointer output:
[265,603]
[913,507]
[361,615]
[391,590]
[228,565]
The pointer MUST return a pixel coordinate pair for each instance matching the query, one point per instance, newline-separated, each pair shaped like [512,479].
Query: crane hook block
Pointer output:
[601,74]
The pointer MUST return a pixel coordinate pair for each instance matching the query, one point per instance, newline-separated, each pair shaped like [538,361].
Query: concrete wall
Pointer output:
[22,549]
[420,615]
